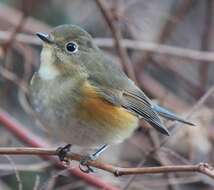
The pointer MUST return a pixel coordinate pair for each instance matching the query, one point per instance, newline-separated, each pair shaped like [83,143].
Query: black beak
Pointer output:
[44,37]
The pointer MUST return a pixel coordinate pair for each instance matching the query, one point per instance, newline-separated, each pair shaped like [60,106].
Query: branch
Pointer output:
[206,43]
[26,8]
[26,136]
[130,44]
[7,45]
[203,168]
[160,48]
[116,33]
[11,16]
[197,106]
[7,74]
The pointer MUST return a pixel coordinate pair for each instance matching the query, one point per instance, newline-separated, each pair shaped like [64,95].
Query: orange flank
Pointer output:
[95,109]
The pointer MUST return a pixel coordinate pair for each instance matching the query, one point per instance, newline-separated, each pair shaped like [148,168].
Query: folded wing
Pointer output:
[141,106]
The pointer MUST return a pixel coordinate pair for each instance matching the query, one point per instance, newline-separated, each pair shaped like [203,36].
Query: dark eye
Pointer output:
[71,47]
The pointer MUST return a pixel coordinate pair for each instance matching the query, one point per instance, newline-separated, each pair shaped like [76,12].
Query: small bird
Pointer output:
[84,98]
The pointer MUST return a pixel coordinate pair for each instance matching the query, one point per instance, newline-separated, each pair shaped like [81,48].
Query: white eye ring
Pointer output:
[71,47]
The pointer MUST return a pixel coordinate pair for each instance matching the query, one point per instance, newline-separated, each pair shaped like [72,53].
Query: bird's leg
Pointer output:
[62,152]
[84,161]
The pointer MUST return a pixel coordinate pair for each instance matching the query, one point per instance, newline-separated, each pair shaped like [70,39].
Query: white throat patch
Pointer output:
[47,70]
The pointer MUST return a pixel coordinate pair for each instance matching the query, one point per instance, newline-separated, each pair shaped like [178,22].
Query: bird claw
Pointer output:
[83,166]
[62,153]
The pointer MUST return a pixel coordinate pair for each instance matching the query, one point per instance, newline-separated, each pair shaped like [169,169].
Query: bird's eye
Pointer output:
[71,47]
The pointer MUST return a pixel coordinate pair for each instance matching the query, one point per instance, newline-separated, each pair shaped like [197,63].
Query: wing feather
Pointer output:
[144,109]
[131,98]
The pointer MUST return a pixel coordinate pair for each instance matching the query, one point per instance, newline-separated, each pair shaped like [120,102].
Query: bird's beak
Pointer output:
[44,37]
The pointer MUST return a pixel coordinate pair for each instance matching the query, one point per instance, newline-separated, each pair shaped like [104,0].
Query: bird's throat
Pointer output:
[48,70]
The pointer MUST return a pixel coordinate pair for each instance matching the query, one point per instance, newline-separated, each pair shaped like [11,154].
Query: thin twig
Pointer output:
[21,37]
[160,48]
[13,78]
[181,11]
[7,45]
[164,182]
[37,182]
[195,90]
[200,102]
[11,16]
[203,168]
[26,8]
[29,138]
[38,167]
[206,37]
[50,183]
[131,44]
[18,178]
[125,61]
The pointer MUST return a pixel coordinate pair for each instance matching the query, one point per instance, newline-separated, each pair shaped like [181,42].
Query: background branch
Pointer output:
[130,44]
[117,35]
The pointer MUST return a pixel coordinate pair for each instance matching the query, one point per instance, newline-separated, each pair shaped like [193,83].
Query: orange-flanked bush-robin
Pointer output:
[83,97]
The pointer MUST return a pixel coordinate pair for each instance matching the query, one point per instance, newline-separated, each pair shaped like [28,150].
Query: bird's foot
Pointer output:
[62,153]
[84,166]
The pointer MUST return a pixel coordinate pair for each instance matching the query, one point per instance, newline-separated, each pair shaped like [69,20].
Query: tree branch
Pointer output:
[26,136]
[203,168]
[116,33]
[130,44]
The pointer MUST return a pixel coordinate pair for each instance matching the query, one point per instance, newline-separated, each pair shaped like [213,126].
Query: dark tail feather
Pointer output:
[169,115]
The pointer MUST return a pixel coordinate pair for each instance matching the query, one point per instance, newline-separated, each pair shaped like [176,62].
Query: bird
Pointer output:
[84,98]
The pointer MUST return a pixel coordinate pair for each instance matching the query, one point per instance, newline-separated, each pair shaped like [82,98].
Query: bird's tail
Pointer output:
[169,115]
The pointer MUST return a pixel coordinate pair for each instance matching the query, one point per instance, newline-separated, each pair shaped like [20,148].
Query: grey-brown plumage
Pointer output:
[77,82]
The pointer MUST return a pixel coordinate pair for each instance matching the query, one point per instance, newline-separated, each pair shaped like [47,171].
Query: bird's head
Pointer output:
[65,50]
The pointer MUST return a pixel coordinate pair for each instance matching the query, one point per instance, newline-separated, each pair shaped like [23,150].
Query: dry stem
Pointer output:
[203,168]
[116,33]
[131,44]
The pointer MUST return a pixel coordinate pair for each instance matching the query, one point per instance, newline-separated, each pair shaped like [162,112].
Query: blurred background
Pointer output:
[165,46]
